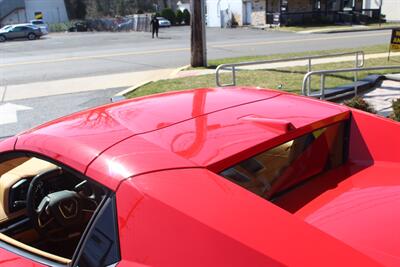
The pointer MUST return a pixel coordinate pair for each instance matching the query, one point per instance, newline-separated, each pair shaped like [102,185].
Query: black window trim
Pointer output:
[92,223]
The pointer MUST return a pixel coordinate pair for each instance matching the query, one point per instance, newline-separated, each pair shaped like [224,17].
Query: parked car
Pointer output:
[18,31]
[40,24]
[163,22]
[126,25]
[5,27]
[206,177]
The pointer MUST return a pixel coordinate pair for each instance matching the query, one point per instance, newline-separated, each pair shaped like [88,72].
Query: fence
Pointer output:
[130,23]
[358,61]
[306,88]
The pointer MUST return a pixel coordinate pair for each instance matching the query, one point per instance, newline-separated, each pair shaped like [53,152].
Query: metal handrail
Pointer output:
[233,66]
[305,90]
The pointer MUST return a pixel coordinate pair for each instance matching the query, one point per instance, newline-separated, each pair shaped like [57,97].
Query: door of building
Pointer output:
[248,10]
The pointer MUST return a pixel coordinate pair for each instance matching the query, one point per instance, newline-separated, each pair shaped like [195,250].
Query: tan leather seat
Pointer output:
[28,169]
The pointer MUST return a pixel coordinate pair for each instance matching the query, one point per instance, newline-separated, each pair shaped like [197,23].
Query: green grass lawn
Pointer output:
[287,79]
[212,64]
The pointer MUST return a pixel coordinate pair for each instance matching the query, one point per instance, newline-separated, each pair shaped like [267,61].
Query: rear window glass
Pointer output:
[291,163]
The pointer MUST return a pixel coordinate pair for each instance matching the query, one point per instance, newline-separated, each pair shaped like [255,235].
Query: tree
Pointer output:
[169,14]
[101,8]
[179,16]
[80,8]
[186,16]
[76,9]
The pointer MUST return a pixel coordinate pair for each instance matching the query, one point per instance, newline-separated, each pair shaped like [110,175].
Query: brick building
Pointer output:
[292,12]
[288,12]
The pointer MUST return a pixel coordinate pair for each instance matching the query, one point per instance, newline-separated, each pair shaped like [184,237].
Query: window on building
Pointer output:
[348,4]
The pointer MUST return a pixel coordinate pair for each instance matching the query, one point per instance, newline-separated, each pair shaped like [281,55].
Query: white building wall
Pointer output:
[390,8]
[54,11]
[214,8]
[18,16]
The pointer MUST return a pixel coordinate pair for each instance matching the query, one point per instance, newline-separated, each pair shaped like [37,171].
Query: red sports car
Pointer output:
[207,177]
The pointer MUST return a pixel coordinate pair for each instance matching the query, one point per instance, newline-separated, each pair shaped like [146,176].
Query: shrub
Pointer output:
[60,27]
[186,16]
[179,17]
[359,103]
[396,110]
[169,14]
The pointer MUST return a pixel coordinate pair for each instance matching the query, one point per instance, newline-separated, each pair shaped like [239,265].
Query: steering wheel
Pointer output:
[57,214]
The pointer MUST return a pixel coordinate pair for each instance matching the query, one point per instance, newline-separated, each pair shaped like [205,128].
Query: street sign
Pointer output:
[394,41]
[38,15]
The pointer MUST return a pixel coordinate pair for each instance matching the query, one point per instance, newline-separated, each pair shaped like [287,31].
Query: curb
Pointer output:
[120,95]
[129,89]
[354,30]
[176,71]
[393,77]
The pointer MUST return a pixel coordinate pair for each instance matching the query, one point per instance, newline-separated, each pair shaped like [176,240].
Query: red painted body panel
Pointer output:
[219,140]
[176,212]
[359,202]
[374,138]
[78,139]
[7,144]
[131,157]
[193,217]
[216,140]
[9,259]
[360,209]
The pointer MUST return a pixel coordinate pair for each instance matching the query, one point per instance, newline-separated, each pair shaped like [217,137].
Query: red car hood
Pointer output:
[362,210]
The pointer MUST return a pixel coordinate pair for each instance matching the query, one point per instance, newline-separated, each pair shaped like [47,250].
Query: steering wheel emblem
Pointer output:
[68,208]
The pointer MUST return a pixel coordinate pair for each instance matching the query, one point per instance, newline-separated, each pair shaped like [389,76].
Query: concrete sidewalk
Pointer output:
[134,80]
[344,29]
[382,96]
[75,85]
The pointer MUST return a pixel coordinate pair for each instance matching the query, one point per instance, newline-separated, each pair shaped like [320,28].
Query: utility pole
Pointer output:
[198,35]
[380,13]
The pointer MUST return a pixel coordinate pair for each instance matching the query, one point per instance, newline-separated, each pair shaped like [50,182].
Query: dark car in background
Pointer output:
[30,32]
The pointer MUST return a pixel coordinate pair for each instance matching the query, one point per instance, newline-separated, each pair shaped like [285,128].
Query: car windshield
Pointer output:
[6,28]
[290,163]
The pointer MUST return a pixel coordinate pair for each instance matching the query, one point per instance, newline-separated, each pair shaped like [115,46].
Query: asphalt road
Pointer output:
[35,111]
[72,55]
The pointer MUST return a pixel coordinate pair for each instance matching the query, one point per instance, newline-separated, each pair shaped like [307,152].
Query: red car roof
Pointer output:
[193,128]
